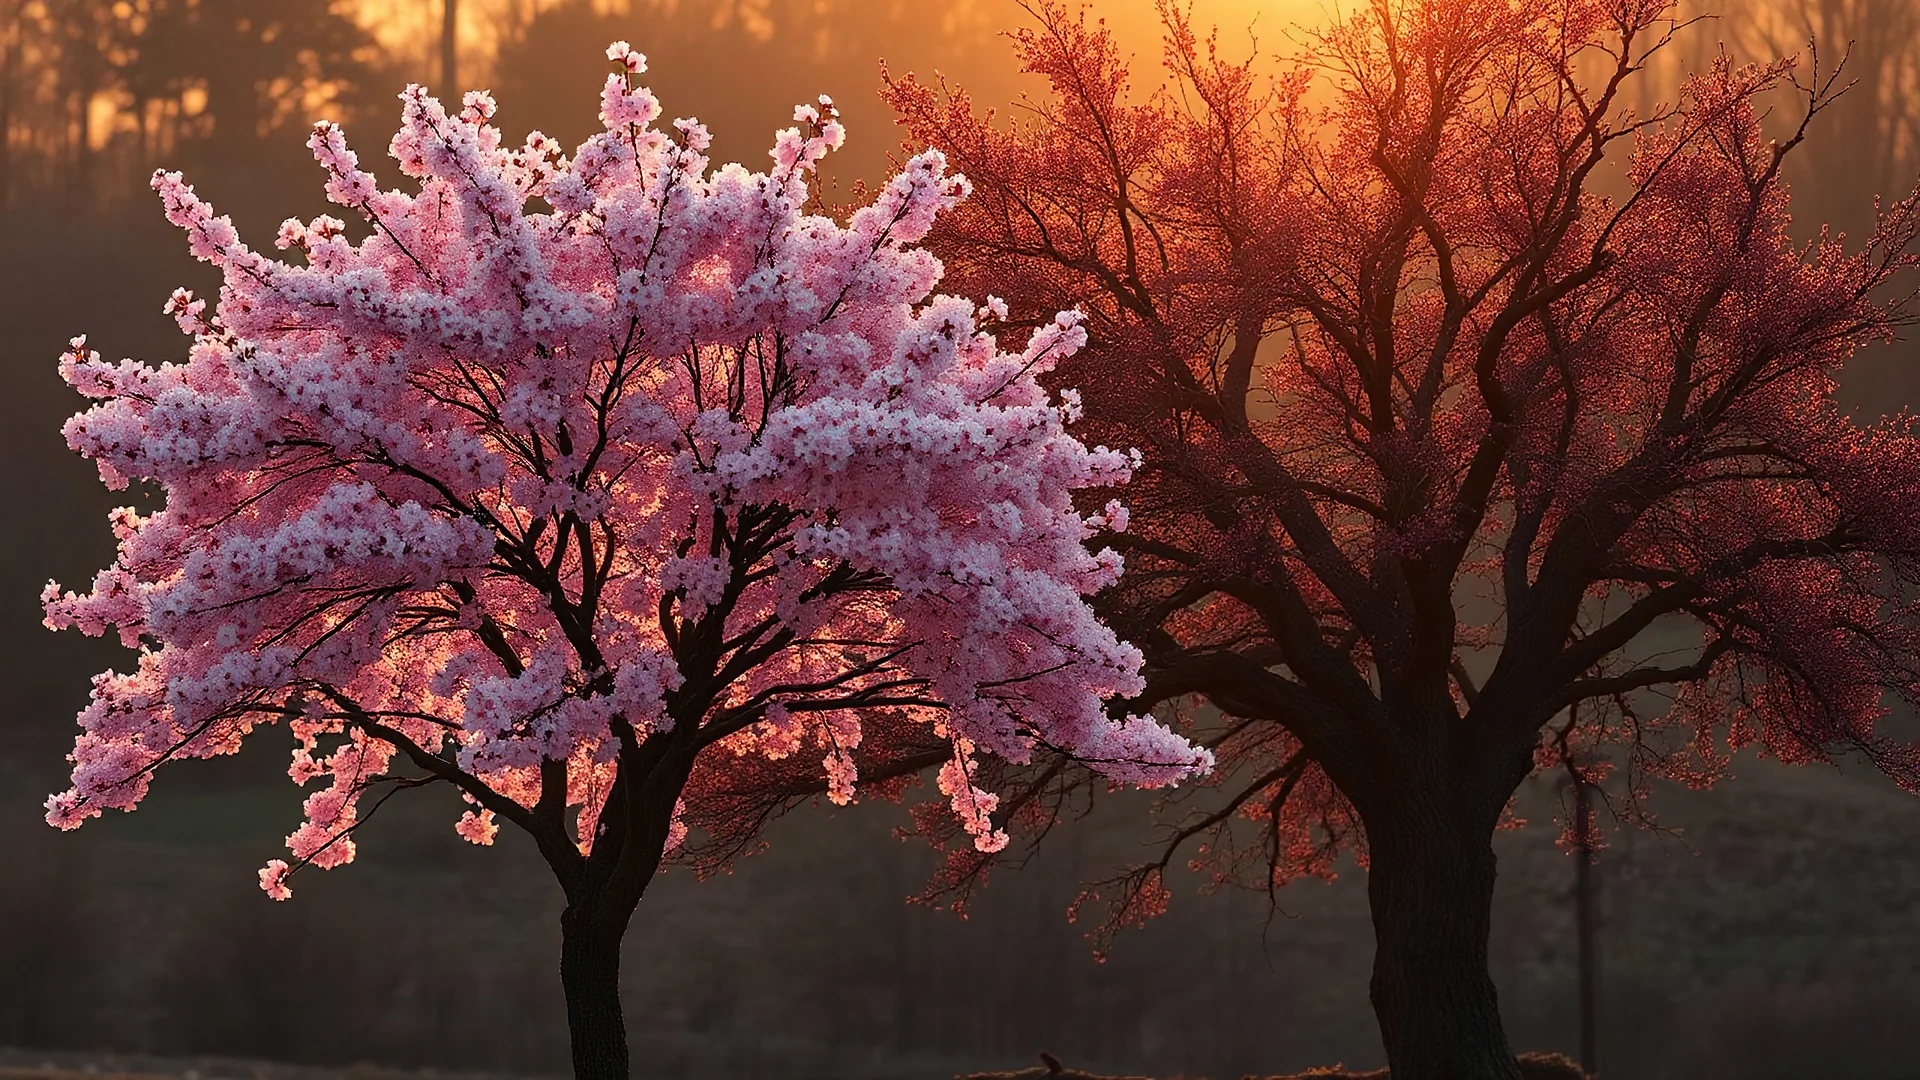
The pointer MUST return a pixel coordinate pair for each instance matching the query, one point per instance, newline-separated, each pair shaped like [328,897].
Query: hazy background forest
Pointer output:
[1771,933]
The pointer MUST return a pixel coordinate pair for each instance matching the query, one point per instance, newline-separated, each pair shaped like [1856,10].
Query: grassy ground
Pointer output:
[1772,938]
[70,1065]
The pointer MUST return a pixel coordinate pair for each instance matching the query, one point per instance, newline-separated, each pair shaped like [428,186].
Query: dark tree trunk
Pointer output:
[602,894]
[1430,885]
[9,79]
[450,53]
[590,975]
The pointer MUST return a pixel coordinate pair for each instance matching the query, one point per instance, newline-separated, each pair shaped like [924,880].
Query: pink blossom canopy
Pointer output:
[498,490]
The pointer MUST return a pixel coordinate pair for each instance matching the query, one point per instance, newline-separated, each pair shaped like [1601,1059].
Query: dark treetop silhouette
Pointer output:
[93,95]
[1440,441]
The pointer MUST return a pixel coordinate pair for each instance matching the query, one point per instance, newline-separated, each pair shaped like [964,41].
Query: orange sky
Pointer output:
[743,113]
[410,27]
[1136,20]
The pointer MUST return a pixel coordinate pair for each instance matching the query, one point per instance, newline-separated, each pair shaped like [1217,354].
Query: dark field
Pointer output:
[1776,926]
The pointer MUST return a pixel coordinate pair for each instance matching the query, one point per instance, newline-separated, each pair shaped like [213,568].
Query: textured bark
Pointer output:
[590,975]
[1430,886]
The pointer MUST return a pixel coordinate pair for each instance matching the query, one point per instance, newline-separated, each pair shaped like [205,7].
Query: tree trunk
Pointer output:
[1430,885]
[450,54]
[601,898]
[590,975]
[10,52]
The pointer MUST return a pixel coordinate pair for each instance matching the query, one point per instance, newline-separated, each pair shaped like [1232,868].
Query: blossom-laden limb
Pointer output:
[612,516]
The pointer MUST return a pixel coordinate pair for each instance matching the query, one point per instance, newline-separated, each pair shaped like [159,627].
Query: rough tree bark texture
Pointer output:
[1430,886]
[590,976]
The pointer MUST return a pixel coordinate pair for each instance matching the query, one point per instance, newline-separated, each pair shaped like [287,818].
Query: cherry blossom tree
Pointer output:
[609,517]
[1467,397]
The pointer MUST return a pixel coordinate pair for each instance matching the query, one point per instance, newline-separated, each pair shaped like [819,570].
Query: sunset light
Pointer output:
[960,539]
[411,28]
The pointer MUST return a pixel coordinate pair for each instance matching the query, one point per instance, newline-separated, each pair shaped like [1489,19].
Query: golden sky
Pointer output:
[744,110]
[410,28]
[1135,21]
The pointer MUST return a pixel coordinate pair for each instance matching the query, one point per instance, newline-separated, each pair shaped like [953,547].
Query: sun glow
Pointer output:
[1270,22]
[409,29]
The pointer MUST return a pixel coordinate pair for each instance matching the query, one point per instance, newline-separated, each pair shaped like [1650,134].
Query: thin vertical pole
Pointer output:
[450,53]
[10,53]
[1584,916]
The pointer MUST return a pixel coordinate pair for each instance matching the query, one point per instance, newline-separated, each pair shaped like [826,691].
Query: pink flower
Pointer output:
[273,878]
[522,491]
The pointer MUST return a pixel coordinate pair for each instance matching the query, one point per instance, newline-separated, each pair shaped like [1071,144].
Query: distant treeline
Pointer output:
[95,94]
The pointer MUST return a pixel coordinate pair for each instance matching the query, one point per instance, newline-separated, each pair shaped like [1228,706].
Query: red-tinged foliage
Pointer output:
[1445,448]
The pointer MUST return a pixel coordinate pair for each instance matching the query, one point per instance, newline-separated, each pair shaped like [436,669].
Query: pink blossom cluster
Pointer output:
[575,451]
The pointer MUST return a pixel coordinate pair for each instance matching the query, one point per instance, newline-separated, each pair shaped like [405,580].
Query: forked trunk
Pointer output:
[1430,885]
[590,975]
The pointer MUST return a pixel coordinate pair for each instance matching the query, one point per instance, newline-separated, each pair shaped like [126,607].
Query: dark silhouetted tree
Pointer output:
[1440,442]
